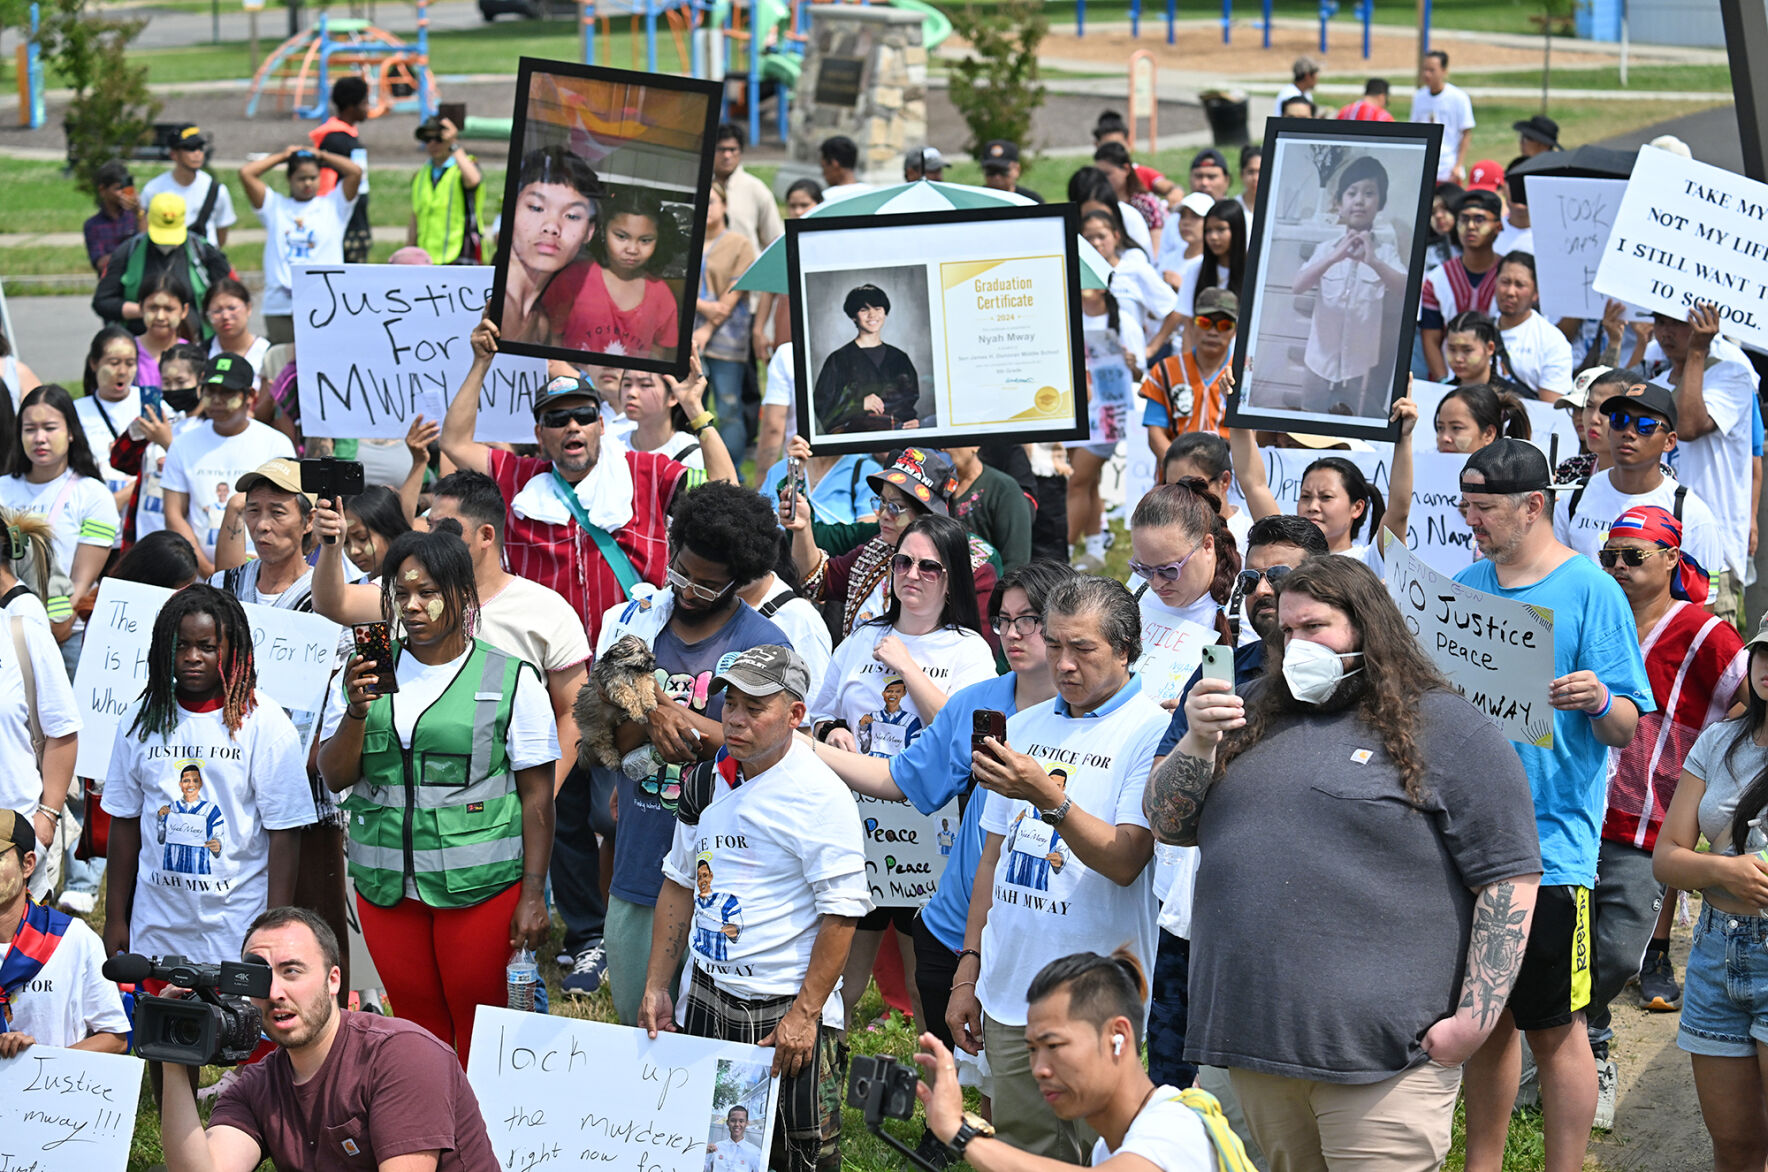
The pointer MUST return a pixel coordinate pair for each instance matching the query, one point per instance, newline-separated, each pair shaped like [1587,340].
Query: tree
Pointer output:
[111,112]
[1554,14]
[995,86]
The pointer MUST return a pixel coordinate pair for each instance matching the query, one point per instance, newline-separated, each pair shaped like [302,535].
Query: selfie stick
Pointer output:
[876,1127]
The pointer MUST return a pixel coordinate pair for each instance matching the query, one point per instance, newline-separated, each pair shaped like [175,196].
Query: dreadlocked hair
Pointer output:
[1396,672]
[158,715]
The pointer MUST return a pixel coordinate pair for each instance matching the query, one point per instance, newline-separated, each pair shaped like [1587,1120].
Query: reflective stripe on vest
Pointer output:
[444,814]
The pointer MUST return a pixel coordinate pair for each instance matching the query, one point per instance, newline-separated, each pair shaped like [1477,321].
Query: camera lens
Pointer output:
[183,1031]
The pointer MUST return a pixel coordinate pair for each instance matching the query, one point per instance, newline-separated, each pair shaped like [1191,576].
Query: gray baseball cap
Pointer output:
[764,670]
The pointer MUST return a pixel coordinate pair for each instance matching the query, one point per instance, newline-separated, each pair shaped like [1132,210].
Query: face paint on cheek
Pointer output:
[233,402]
[434,609]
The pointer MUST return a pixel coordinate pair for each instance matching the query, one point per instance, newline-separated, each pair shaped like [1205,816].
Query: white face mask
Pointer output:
[1313,671]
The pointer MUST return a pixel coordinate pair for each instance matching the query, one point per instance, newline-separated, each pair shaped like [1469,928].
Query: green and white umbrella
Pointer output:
[768,273]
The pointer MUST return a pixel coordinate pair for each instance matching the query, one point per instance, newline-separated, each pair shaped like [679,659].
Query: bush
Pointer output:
[111,112]
[995,87]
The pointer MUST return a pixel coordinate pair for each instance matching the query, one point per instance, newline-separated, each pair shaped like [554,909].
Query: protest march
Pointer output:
[705,668]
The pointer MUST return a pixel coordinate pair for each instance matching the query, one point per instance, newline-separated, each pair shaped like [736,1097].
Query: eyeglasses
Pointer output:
[1475,221]
[1630,557]
[565,416]
[902,563]
[680,581]
[1167,573]
[1024,626]
[1646,425]
[1247,580]
[884,508]
[1221,325]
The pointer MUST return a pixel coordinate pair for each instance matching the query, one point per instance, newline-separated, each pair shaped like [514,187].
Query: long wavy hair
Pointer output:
[1396,672]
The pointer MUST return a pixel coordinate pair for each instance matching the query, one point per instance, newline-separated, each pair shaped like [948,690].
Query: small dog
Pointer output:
[621,686]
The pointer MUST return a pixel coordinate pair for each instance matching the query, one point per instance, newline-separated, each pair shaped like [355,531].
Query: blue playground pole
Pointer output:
[651,37]
[34,75]
[1267,24]
[1326,9]
[588,19]
[1228,16]
[1426,34]
[1172,15]
[1136,19]
[1080,17]
[1368,16]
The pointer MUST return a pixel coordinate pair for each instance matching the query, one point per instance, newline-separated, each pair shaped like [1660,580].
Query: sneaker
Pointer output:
[1605,1097]
[79,903]
[586,972]
[1658,990]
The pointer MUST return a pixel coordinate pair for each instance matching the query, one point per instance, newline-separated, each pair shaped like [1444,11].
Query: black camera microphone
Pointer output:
[128,968]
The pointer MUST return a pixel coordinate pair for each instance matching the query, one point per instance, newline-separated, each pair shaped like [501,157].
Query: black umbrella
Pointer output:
[1585,162]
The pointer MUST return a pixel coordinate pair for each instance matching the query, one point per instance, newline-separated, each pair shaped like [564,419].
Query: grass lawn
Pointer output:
[1640,78]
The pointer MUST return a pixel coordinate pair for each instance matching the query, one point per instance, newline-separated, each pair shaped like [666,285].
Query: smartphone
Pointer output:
[150,397]
[789,495]
[985,723]
[331,479]
[455,112]
[1218,664]
[375,641]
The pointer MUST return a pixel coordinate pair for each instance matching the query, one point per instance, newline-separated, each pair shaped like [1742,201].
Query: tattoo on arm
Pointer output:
[1494,952]
[1175,798]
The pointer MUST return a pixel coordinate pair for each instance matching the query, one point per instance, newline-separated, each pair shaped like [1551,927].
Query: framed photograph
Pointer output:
[950,328]
[1329,301]
[741,1129]
[604,216]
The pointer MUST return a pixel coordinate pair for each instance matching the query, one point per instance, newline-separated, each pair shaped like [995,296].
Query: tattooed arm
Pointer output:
[669,939]
[1501,916]
[1174,797]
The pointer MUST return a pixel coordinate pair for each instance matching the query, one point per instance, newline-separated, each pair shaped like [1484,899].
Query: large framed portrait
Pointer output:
[952,328]
[1329,301]
[604,216]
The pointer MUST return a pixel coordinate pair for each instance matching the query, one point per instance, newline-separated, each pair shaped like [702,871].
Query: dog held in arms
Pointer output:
[621,687]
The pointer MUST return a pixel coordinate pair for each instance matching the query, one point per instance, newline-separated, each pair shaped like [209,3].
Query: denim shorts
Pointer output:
[1725,993]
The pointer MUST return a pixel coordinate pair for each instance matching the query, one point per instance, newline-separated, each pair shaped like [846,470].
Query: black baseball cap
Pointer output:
[1209,157]
[1507,466]
[190,137]
[16,829]
[231,372]
[1649,396]
[566,386]
[998,155]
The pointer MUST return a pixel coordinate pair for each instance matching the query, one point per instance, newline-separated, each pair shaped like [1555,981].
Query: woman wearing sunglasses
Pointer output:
[887,682]
[1186,559]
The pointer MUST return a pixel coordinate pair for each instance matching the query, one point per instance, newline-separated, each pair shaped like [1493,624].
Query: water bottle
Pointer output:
[520,978]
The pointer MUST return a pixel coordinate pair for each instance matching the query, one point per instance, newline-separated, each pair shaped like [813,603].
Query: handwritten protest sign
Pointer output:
[67,1110]
[1171,650]
[1571,219]
[906,850]
[1497,652]
[382,344]
[568,1091]
[294,657]
[1689,232]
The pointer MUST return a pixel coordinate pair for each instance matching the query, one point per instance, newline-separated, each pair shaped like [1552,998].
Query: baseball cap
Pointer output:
[1209,157]
[927,159]
[230,371]
[1539,128]
[1486,175]
[566,386]
[1220,302]
[998,154]
[1198,203]
[16,829]
[165,220]
[1761,635]
[1658,400]
[1580,393]
[924,474]
[189,137]
[1669,142]
[765,670]
[1507,466]
[281,472]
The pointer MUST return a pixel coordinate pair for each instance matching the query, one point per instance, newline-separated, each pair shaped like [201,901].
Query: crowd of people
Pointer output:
[1279,895]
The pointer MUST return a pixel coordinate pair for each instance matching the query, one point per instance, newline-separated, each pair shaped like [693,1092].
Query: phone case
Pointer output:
[375,641]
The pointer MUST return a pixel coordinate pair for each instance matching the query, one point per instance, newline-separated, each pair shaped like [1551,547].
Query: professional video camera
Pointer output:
[214,1025]
[883,1088]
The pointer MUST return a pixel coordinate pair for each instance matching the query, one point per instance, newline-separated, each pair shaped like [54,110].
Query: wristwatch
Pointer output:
[969,1128]
[1054,817]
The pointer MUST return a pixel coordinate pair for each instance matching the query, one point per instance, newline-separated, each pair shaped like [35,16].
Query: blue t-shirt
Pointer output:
[934,769]
[841,497]
[1593,630]
[1249,665]
[647,808]
[1154,414]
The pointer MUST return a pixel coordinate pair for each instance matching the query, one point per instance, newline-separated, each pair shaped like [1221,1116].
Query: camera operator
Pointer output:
[341,1089]
[51,990]
[1083,1029]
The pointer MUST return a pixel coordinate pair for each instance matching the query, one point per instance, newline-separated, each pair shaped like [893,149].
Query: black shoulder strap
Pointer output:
[1571,506]
[1681,495]
[772,606]
[698,784]
[6,599]
[200,226]
[1140,590]
[681,456]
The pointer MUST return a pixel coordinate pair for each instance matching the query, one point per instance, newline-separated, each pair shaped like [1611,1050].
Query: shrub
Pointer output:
[995,87]
[111,112]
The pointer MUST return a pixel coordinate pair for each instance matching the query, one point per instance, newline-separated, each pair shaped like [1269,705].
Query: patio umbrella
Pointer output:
[768,273]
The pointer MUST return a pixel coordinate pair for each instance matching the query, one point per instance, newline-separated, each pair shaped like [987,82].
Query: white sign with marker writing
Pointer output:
[294,654]
[574,1092]
[1571,219]
[1497,652]
[906,850]
[67,1110]
[1686,232]
[382,344]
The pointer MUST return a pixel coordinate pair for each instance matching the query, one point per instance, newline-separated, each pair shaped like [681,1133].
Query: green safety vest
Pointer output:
[196,276]
[440,209]
[443,814]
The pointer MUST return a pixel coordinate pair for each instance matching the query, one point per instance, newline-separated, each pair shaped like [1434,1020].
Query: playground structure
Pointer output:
[1365,10]
[298,74]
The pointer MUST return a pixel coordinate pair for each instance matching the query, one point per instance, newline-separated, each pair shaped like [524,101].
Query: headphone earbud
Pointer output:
[1117,1044]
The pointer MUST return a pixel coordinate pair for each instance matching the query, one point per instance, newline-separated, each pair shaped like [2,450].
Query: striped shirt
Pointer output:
[1181,398]
[1450,289]
[563,558]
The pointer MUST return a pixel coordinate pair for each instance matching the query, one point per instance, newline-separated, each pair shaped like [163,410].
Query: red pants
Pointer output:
[441,964]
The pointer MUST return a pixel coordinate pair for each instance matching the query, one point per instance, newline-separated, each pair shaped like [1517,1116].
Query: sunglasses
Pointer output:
[681,582]
[1167,573]
[1247,580]
[1024,626]
[1221,325]
[1646,425]
[1628,557]
[902,563]
[884,508]
[566,416]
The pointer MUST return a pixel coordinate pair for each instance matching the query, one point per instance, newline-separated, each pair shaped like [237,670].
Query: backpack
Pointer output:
[1230,1153]
[1571,506]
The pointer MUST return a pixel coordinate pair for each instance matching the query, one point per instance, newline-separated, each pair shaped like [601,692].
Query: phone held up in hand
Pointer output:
[375,641]
[789,494]
[985,723]
[1218,664]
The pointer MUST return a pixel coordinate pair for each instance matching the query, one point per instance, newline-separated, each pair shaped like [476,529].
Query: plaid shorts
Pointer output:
[809,1136]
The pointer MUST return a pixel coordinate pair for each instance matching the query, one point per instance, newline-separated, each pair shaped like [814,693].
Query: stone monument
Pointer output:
[864,76]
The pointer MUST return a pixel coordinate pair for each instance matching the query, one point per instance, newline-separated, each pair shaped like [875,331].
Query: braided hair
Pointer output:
[158,715]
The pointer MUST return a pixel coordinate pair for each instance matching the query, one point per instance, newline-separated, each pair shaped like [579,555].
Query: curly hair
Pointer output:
[1396,672]
[730,525]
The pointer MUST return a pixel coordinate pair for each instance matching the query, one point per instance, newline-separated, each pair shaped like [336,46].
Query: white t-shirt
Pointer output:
[204,465]
[1137,227]
[728,1155]
[1513,239]
[1454,110]
[779,851]
[21,786]
[254,354]
[80,510]
[1540,356]
[29,607]
[223,215]
[675,445]
[103,422]
[803,624]
[1047,902]
[531,621]
[69,1000]
[1167,1134]
[1716,466]
[204,870]
[1172,643]
[1141,292]
[1283,95]
[533,732]
[150,502]
[1601,503]
[782,386]
[1344,334]
[853,689]
[310,233]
